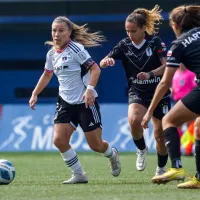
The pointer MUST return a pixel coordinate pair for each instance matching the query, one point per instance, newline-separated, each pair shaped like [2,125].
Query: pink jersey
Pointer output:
[182,83]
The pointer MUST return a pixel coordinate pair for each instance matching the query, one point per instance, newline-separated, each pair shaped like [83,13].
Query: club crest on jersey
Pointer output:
[67,57]
[64,58]
[148,51]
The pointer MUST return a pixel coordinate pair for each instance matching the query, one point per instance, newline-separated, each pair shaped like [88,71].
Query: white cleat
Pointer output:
[160,171]
[141,159]
[77,179]
[115,164]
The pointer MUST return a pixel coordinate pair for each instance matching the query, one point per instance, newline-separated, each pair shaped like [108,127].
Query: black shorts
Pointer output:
[161,110]
[192,100]
[89,119]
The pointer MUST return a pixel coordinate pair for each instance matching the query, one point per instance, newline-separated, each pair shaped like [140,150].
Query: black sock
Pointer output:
[162,160]
[172,142]
[140,144]
[197,158]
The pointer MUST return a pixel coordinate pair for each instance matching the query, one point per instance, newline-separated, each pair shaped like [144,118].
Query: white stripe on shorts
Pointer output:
[95,114]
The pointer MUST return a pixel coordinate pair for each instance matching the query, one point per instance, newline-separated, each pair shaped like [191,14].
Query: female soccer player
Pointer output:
[77,104]
[143,57]
[185,22]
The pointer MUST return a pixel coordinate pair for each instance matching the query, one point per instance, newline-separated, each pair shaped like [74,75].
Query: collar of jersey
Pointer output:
[186,32]
[139,45]
[61,50]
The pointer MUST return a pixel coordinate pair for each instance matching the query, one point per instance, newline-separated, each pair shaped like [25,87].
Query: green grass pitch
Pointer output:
[39,176]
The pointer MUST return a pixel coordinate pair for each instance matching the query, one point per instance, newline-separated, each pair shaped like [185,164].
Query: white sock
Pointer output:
[109,153]
[71,160]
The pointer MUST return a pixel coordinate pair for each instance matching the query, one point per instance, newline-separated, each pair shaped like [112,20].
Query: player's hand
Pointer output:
[108,62]
[33,101]
[146,120]
[89,98]
[143,76]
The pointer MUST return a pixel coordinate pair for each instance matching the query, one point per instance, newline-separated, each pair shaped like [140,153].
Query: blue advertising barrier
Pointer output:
[22,129]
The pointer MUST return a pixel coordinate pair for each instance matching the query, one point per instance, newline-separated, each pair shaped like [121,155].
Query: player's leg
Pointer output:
[183,111]
[136,111]
[63,129]
[194,183]
[90,121]
[162,155]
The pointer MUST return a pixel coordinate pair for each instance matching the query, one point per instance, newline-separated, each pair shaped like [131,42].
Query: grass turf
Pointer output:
[39,176]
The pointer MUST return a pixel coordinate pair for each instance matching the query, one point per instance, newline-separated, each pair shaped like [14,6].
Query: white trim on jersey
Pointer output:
[74,47]
[170,63]
[139,46]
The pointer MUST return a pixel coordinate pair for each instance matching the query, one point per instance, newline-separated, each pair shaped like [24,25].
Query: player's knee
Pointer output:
[165,122]
[159,139]
[135,122]
[59,142]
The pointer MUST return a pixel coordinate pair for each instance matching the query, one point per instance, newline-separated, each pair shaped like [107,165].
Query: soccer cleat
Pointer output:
[141,159]
[160,171]
[115,164]
[171,175]
[77,179]
[194,183]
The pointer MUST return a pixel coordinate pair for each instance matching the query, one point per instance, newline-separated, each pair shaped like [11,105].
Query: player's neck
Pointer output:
[140,40]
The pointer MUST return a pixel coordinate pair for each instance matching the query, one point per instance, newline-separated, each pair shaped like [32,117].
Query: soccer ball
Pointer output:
[7,172]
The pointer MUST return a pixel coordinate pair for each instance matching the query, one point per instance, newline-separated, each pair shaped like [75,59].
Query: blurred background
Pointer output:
[24,28]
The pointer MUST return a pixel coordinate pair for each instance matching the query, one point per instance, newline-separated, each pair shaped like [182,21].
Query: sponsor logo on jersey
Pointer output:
[58,68]
[148,81]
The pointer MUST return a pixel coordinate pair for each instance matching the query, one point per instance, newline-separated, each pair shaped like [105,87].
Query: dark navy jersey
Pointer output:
[140,58]
[186,49]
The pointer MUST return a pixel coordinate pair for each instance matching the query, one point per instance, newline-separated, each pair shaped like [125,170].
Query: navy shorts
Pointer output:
[192,100]
[161,110]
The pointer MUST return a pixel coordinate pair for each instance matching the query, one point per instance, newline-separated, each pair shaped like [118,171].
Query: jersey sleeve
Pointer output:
[160,48]
[116,52]
[174,55]
[48,64]
[84,58]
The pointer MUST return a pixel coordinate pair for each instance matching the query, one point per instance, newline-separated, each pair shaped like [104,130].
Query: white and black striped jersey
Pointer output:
[140,58]
[186,49]
[71,66]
